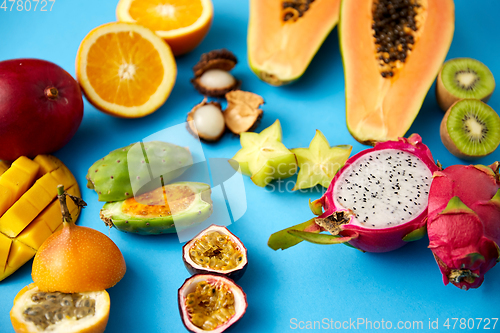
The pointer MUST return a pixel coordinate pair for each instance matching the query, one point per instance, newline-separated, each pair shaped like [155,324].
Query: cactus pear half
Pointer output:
[130,170]
[167,209]
[464,222]
[377,202]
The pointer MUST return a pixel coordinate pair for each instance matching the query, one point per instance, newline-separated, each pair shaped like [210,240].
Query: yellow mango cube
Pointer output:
[6,199]
[5,243]
[18,178]
[63,177]
[38,196]
[48,163]
[52,214]
[17,218]
[19,254]
[35,233]
[27,165]
[59,227]
[48,183]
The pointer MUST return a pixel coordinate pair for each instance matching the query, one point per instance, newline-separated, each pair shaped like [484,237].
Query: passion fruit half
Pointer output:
[210,302]
[37,311]
[216,250]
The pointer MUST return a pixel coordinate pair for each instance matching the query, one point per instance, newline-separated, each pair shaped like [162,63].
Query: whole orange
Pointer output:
[183,24]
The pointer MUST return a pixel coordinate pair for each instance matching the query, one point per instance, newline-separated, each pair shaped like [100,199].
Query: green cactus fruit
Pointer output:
[137,168]
[167,209]
[263,157]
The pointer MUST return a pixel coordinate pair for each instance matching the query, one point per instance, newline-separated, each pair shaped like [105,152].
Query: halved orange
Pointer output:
[125,69]
[182,23]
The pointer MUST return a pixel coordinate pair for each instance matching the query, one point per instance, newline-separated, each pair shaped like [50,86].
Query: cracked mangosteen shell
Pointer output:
[243,112]
[240,300]
[192,129]
[217,59]
[193,268]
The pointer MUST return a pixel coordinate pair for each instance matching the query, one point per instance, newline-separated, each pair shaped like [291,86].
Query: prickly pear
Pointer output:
[131,170]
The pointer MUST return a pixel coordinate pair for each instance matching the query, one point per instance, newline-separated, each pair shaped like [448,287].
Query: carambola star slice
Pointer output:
[320,162]
[264,157]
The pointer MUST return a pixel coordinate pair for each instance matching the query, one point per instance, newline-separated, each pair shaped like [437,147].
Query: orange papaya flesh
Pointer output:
[383,108]
[29,209]
[279,50]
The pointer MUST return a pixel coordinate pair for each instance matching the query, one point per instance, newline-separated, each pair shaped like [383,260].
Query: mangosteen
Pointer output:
[216,250]
[212,77]
[242,113]
[210,302]
[206,121]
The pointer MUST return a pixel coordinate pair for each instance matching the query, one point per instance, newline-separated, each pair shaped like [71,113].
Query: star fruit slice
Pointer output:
[320,162]
[263,157]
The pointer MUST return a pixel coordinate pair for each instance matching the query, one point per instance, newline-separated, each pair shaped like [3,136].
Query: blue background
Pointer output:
[307,282]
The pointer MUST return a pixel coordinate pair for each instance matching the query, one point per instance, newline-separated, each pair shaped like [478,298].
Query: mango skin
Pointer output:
[34,213]
[53,119]
[124,171]
[199,210]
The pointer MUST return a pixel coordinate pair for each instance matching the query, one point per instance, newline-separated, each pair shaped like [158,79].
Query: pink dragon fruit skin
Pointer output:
[464,223]
[385,239]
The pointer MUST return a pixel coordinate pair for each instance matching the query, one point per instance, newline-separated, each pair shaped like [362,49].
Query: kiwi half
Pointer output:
[463,78]
[470,129]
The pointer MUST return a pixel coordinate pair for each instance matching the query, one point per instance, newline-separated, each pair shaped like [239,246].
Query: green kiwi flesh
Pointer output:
[463,78]
[470,129]
[468,78]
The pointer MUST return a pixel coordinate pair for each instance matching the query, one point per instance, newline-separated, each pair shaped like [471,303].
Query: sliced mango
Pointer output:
[39,196]
[58,228]
[48,163]
[17,179]
[18,256]
[52,214]
[6,198]
[31,211]
[35,233]
[63,176]
[5,243]
[17,218]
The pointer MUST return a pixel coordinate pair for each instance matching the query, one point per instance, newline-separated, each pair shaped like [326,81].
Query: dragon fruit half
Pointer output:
[464,222]
[376,202]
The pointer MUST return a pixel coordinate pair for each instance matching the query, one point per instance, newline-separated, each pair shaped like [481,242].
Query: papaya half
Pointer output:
[392,51]
[284,36]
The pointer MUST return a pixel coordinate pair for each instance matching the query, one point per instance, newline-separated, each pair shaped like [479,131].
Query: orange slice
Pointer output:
[125,69]
[182,23]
